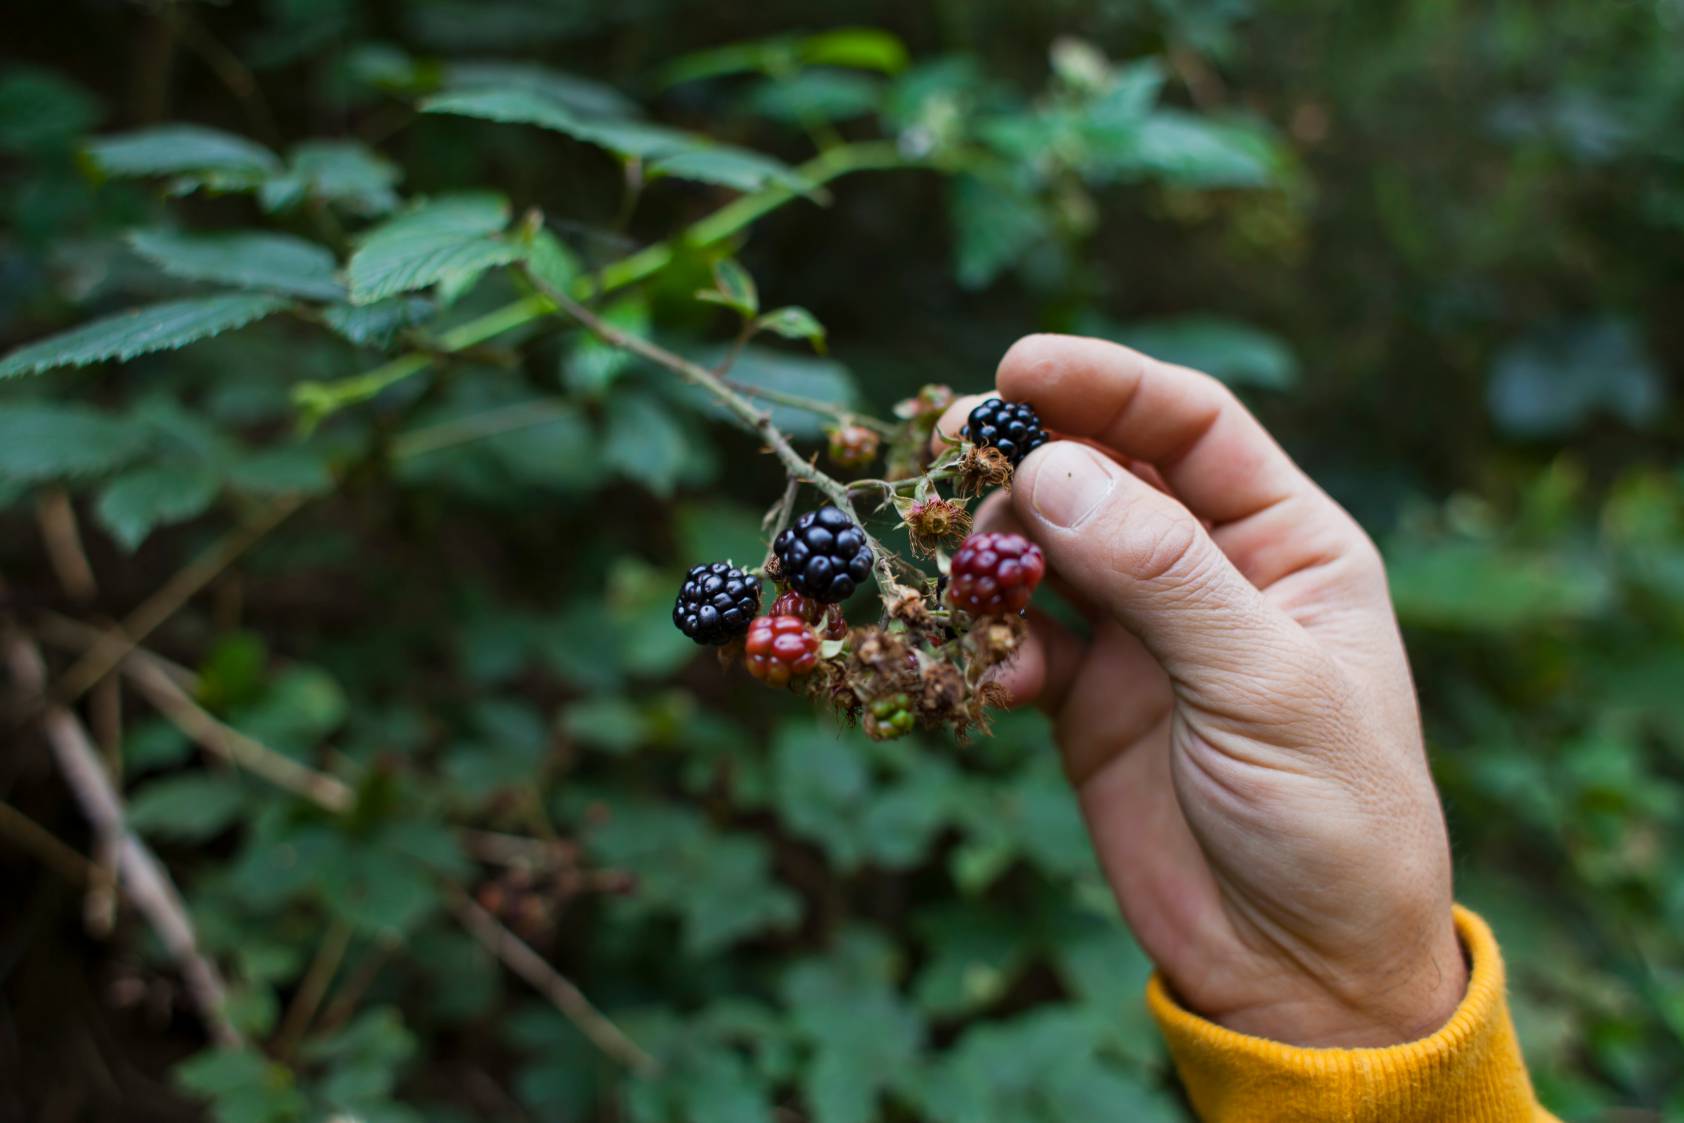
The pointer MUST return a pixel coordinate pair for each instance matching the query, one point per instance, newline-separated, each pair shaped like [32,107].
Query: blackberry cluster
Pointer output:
[824,555]
[716,603]
[1011,427]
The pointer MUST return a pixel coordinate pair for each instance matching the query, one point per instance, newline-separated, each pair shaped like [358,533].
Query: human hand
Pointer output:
[1241,727]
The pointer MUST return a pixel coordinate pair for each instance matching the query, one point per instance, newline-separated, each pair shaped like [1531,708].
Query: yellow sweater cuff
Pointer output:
[1470,1071]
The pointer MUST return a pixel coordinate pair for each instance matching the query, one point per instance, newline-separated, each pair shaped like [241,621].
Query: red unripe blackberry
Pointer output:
[780,648]
[994,574]
[1011,427]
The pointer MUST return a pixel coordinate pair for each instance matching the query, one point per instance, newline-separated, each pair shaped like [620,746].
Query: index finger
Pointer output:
[1215,456]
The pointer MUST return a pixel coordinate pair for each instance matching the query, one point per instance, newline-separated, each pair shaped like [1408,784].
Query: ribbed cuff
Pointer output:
[1470,1071]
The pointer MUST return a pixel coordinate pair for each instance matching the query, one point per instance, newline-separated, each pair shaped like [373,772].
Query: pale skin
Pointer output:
[1241,728]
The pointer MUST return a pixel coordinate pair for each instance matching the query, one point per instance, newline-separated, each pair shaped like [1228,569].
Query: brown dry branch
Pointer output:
[144,882]
[161,605]
[519,957]
[168,685]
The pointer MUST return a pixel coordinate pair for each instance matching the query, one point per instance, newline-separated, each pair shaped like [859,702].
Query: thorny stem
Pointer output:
[744,413]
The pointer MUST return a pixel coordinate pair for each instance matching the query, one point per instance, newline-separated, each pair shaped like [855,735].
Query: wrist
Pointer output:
[1410,998]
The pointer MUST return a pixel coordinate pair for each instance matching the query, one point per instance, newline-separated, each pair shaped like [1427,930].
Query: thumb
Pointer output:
[1147,560]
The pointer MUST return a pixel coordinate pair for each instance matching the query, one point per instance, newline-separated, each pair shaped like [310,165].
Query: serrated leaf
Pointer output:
[242,1085]
[43,442]
[191,807]
[248,259]
[728,167]
[665,151]
[178,149]
[377,324]
[142,499]
[343,173]
[582,95]
[157,327]
[447,238]
[793,322]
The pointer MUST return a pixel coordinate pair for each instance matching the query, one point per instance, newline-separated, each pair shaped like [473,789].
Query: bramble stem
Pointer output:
[744,413]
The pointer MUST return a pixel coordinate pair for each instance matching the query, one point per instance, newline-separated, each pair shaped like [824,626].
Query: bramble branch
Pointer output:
[142,878]
[742,412]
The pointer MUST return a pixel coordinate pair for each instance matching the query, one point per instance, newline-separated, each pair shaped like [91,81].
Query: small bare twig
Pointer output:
[167,685]
[319,976]
[519,957]
[63,540]
[161,605]
[144,881]
[54,853]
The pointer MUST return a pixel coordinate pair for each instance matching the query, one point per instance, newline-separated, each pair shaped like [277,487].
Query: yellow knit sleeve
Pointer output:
[1468,1072]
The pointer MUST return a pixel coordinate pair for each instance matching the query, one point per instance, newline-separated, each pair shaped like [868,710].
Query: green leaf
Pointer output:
[1237,353]
[551,262]
[242,1086]
[719,885]
[192,807]
[862,48]
[297,469]
[142,499]
[44,442]
[1191,151]
[815,95]
[646,442]
[612,724]
[665,151]
[41,110]
[995,226]
[727,167]
[377,324]
[822,380]
[733,287]
[1558,378]
[863,1033]
[593,366]
[1482,587]
[342,173]
[445,239]
[244,259]
[177,149]
[793,322]
[582,95]
[157,327]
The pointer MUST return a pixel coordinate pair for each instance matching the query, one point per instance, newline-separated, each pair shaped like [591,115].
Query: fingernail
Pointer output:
[1070,483]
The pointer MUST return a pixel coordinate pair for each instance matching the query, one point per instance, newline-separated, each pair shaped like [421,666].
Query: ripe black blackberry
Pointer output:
[716,603]
[824,555]
[1011,427]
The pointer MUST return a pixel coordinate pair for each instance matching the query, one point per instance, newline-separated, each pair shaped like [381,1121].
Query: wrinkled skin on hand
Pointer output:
[1240,727]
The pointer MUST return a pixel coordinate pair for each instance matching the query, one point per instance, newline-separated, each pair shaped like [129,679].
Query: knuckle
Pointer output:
[1160,546]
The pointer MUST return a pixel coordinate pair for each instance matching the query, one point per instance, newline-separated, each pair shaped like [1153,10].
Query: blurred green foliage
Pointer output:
[1436,246]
